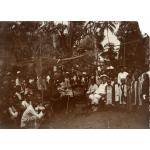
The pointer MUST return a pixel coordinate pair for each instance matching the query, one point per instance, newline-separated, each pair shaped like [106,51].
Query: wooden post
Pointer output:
[68,99]
[41,66]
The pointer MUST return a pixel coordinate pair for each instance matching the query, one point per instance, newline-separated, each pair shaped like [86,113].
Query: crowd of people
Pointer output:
[26,100]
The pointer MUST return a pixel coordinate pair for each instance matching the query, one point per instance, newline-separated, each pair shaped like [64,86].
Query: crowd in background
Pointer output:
[27,99]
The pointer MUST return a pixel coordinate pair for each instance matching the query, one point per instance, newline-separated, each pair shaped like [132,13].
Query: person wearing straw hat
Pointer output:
[99,93]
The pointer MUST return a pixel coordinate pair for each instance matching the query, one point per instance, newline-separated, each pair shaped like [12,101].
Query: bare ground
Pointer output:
[99,120]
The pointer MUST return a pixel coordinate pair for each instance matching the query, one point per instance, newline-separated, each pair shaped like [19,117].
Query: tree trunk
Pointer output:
[108,36]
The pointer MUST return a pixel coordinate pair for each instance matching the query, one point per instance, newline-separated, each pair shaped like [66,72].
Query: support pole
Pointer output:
[67,108]
[41,66]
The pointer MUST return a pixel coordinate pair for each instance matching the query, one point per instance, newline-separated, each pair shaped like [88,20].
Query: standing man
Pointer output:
[122,75]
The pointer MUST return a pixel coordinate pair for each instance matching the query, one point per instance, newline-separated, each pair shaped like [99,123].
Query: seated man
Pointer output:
[98,94]
[66,93]
[92,88]
[64,88]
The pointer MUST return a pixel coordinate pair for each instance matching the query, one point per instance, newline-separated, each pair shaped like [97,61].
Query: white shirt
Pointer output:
[122,75]
[18,81]
[148,72]
[48,78]
[24,103]
[101,89]
[18,95]
[31,81]
[28,114]
[117,92]
[92,88]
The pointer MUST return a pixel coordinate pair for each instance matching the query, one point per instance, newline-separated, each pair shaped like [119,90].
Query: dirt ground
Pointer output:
[106,118]
[99,120]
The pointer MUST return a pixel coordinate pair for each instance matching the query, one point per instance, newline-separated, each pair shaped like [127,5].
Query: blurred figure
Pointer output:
[92,88]
[12,115]
[109,93]
[122,75]
[123,92]
[135,91]
[17,95]
[128,84]
[116,91]
[145,88]
[30,117]
[18,79]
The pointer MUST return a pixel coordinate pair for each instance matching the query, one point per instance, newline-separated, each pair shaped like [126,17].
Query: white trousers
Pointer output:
[94,98]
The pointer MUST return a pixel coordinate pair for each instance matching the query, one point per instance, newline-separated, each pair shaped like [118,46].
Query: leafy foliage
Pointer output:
[131,50]
[31,40]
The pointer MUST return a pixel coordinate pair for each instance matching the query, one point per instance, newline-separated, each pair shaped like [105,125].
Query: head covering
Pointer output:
[104,75]
[110,67]
[18,72]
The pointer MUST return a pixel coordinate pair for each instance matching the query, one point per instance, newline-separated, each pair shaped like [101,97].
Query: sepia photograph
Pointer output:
[74,75]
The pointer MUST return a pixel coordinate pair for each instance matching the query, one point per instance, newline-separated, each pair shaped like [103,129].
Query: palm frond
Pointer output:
[112,24]
[111,29]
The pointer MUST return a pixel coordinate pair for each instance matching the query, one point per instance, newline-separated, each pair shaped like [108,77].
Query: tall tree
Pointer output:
[92,36]
[108,26]
[131,49]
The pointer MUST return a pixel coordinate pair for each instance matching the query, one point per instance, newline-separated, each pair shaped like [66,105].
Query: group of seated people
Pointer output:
[125,89]
[24,97]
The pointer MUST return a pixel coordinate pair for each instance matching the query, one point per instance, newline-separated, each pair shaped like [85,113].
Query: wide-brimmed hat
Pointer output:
[104,75]
[110,67]
[84,73]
